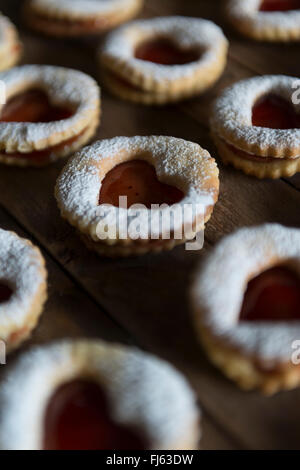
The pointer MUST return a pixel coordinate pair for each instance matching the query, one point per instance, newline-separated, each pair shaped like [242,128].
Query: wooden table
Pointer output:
[144,301]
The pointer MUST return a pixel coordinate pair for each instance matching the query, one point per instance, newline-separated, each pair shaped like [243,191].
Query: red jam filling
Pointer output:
[5,293]
[78,418]
[274,112]
[33,106]
[279,5]
[274,295]
[251,157]
[164,52]
[41,156]
[137,180]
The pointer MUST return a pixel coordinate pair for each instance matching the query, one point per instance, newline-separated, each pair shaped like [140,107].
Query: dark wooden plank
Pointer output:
[246,57]
[71,313]
[68,312]
[149,296]
[213,436]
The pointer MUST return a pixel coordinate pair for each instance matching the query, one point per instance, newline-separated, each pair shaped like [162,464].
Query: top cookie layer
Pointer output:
[232,117]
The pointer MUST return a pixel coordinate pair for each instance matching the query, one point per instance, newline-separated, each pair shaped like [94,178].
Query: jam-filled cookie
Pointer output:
[23,288]
[130,196]
[89,395]
[256,126]
[50,113]
[162,60]
[246,302]
[10,45]
[266,20]
[78,17]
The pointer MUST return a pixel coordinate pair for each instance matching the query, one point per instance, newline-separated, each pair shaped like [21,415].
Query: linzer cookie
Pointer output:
[50,113]
[78,17]
[23,288]
[130,196]
[163,60]
[10,45]
[256,126]
[266,20]
[84,395]
[246,303]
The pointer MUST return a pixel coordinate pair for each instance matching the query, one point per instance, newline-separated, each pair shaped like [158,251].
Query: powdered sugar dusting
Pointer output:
[220,286]
[187,33]
[232,115]
[142,390]
[177,162]
[21,268]
[62,85]
[81,8]
[260,21]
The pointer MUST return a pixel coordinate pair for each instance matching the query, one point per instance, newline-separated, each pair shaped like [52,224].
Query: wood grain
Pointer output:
[145,300]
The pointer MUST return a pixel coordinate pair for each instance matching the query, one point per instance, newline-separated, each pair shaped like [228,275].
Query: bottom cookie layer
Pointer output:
[275,168]
[44,157]
[132,249]
[129,92]
[249,26]
[20,335]
[71,28]
[10,58]
[245,370]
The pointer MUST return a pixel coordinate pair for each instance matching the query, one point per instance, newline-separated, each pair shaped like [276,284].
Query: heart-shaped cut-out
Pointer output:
[279,5]
[165,52]
[78,418]
[5,293]
[274,112]
[137,180]
[33,106]
[274,295]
